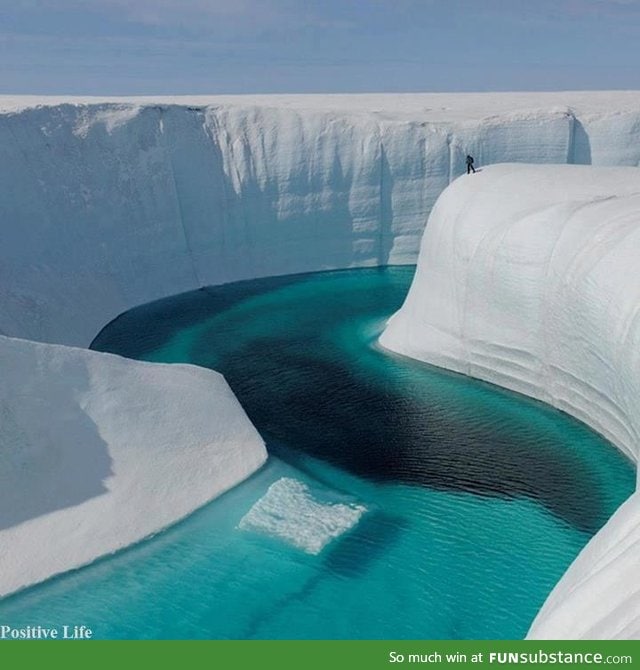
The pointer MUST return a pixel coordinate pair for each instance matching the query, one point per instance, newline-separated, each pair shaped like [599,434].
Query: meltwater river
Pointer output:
[477,499]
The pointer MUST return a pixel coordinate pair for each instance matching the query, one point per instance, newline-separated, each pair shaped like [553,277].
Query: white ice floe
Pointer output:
[528,278]
[289,511]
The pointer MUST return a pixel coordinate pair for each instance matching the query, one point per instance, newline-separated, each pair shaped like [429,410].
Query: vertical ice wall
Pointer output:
[111,205]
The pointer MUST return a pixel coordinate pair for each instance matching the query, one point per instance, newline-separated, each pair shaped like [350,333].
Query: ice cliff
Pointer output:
[109,204]
[527,278]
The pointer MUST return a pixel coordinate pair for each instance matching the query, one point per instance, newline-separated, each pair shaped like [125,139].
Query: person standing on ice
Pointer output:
[470,167]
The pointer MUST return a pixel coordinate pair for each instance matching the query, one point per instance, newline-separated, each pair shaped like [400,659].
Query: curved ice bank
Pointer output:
[528,278]
[108,204]
[97,452]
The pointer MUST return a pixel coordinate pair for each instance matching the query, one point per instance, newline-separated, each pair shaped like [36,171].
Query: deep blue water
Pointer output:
[478,499]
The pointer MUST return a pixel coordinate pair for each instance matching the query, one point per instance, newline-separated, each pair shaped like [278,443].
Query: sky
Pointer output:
[155,47]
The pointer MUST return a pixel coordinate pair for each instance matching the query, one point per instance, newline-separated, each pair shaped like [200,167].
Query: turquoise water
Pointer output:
[478,499]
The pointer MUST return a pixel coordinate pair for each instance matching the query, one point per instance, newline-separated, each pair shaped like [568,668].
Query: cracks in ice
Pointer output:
[179,205]
[385,237]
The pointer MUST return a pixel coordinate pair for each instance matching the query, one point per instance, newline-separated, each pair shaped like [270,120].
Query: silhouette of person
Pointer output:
[470,167]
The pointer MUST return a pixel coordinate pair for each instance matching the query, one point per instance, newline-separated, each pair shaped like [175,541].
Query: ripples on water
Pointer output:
[477,499]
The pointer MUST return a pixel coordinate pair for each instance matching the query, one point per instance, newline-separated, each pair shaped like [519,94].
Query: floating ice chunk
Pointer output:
[289,511]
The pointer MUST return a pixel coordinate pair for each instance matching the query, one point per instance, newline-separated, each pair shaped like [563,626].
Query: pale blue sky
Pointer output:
[260,46]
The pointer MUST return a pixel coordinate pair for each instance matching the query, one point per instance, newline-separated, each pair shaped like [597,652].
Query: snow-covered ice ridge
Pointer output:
[110,203]
[98,452]
[528,278]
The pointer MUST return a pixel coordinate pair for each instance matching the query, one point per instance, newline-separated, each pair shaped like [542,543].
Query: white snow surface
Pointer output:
[111,203]
[97,452]
[528,278]
[289,511]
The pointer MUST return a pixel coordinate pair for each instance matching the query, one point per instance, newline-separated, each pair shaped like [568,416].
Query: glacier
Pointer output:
[527,279]
[108,203]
